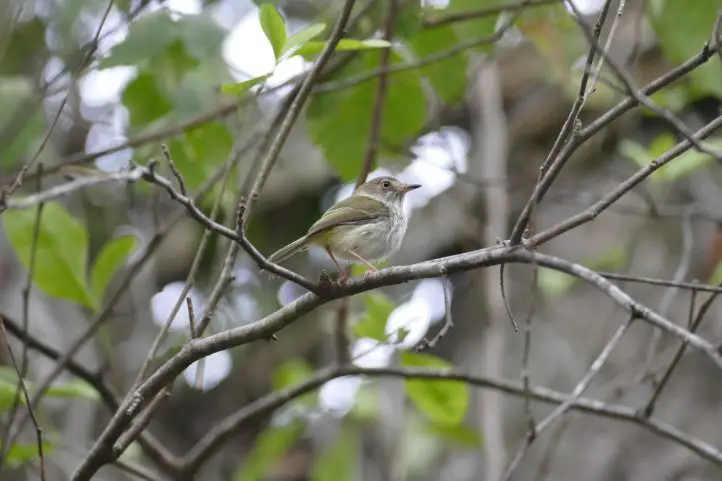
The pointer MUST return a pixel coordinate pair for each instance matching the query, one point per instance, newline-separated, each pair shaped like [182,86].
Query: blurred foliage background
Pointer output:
[206,78]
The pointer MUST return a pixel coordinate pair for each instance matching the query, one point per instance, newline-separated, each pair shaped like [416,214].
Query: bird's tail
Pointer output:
[291,249]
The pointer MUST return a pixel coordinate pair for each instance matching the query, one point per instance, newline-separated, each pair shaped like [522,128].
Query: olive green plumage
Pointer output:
[366,227]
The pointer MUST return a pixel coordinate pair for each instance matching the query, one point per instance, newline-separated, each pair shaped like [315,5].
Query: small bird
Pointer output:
[368,226]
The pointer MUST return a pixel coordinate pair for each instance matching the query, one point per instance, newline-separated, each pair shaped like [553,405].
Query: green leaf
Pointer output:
[339,121]
[682,165]
[274,27]
[20,454]
[682,32]
[73,388]
[23,42]
[144,100]
[609,260]
[200,151]
[239,89]
[110,258]
[22,138]
[312,48]
[444,402]
[302,37]
[290,373]
[635,152]
[268,449]
[8,393]
[149,35]
[202,35]
[690,161]
[459,434]
[447,76]
[373,322]
[553,283]
[479,27]
[338,461]
[62,251]
[173,64]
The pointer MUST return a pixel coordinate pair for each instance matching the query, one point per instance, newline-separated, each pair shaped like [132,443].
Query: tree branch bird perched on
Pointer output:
[368,226]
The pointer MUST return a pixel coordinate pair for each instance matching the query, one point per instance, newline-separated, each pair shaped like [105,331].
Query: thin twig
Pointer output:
[132,271]
[220,433]
[102,452]
[195,264]
[372,145]
[27,290]
[640,97]
[38,429]
[434,21]
[457,49]
[693,325]
[19,179]
[679,274]
[150,445]
[526,355]
[607,47]
[579,389]
[546,172]
[194,335]
[661,282]
[174,170]
[294,109]
[448,320]
[600,206]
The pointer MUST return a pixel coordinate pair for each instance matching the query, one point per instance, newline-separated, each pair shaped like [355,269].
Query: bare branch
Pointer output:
[547,175]
[219,434]
[19,179]
[372,145]
[102,451]
[7,442]
[294,110]
[438,21]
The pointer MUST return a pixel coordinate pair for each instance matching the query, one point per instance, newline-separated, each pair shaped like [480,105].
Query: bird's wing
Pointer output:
[351,211]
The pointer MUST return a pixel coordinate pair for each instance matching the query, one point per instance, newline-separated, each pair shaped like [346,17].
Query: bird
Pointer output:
[368,226]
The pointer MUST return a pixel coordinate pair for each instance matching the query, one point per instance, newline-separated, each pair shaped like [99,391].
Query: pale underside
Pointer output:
[370,229]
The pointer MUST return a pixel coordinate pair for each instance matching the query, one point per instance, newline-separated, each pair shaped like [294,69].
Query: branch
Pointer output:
[235,235]
[434,21]
[661,282]
[372,145]
[60,190]
[294,109]
[563,155]
[19,178]
[600,206]
[132,270]
[223,110]
[102,450]
[573,398]
[7,442]
[155,451]
[202,451]
[564,134]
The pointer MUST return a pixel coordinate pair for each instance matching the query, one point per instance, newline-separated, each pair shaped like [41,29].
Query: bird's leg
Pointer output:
[340,270]
[372,267]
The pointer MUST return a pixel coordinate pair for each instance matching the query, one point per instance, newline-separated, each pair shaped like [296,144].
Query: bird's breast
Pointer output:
[372,241]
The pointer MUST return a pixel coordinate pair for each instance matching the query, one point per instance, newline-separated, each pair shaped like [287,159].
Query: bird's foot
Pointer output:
[342,277]
[369,271]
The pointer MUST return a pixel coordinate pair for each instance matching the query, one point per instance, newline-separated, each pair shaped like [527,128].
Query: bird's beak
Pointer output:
[409,187]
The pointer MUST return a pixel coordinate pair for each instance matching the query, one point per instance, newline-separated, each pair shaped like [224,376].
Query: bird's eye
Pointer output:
[385,184]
